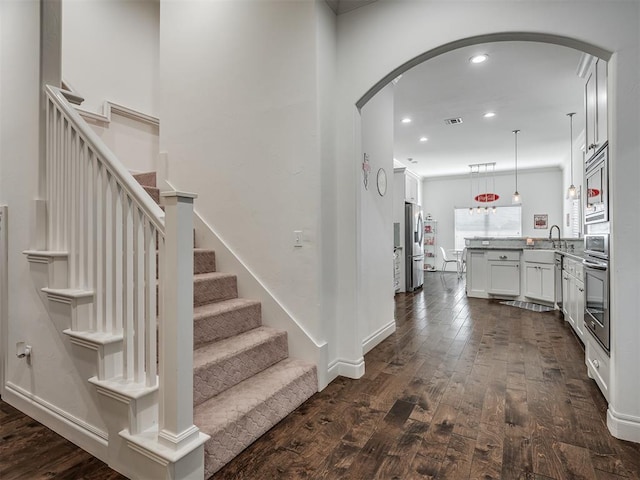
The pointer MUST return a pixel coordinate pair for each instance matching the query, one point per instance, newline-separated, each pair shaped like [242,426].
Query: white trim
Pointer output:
[122,391]
[346,368]
[4,286]
[147,444]
[378,336]
[622,426]
[66,295]
[92,340]
[74,429]
[110,108]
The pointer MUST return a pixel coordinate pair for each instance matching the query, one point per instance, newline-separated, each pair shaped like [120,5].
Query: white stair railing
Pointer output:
[109,226]
[111,230]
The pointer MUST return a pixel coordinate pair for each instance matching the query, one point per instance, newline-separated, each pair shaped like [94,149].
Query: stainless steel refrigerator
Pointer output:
[414,253]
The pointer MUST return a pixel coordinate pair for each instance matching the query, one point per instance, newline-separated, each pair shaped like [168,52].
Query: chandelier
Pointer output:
[483,201]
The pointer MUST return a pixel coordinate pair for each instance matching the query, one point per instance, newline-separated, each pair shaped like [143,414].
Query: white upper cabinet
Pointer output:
[411,186]
[596,107]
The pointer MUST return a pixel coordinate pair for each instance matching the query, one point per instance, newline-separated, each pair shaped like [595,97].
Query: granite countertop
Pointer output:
[527,243]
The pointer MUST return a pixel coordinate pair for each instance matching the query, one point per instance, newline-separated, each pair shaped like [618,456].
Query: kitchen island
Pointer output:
[516,268]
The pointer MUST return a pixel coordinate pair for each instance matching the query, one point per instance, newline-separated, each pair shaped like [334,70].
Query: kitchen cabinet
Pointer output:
[409,185]
[598,366]
[503,273]
[411,193]
[595,95]
[573,295]
[476,273]
[539,281]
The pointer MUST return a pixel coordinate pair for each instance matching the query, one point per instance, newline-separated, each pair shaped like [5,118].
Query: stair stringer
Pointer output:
[301,344]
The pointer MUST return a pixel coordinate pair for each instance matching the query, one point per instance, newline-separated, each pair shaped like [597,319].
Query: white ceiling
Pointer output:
[530,86]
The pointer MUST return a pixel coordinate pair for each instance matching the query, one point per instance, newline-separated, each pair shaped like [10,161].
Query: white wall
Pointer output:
[134,142]
[370,49]
[542,192]
[240,123]
[110,51]
[375,292]
[53,386]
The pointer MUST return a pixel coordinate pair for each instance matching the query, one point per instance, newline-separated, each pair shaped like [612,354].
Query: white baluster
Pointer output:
[150,307]
[109,246]
[138,294]
[128,287]
[117,256]
[99,195]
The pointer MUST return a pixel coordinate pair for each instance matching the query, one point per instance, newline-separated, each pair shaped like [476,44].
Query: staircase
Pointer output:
[117,271]
[244,381]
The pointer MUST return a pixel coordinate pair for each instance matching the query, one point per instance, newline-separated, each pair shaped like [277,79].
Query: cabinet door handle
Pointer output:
[503,257]
[581,289]
[596,363]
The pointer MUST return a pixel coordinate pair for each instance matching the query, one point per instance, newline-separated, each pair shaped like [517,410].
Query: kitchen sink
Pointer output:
[539,256]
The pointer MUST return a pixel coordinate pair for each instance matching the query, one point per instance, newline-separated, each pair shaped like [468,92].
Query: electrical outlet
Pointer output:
[297,238]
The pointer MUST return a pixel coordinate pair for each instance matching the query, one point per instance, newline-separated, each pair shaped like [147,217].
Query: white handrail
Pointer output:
[133,188]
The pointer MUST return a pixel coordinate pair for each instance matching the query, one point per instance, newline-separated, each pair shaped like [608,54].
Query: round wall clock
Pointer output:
[382,182]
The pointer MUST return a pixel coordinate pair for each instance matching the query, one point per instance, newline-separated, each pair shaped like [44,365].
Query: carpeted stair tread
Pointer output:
[214,287]
[215,321]
[153,192]
[146,179]
[220,365]
[204,260]
[238,416]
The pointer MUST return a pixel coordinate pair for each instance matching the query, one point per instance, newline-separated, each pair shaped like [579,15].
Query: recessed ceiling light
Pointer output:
[423,139]
[406,120]
[479,58]
[489,114]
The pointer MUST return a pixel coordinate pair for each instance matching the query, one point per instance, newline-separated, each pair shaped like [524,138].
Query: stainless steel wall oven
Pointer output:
[596,283]
[596,208]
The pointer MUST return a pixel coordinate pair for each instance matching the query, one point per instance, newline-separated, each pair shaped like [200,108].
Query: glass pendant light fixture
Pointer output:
[471,188]
[572,189]
[493,188]
[516,196]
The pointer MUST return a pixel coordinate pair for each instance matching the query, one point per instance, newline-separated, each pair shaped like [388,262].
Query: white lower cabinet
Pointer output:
[573,296]
[597,362]
[503,276]
[539,281]
[476,273]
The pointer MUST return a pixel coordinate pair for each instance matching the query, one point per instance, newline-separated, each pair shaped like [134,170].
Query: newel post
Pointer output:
[176,427]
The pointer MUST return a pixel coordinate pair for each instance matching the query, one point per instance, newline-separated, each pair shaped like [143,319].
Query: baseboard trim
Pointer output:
[74,429]
[346,368]
[624,427]
[378,336]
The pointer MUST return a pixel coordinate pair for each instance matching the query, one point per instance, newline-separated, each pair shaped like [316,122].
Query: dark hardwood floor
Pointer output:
[465,389]
[30,451]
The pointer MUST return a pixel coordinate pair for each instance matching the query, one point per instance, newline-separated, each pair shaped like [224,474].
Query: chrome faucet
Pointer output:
[552,241]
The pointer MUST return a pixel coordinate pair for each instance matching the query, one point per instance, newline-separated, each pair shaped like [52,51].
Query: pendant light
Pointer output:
[471,188]
[516,196]
[493,188]
[572,189]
